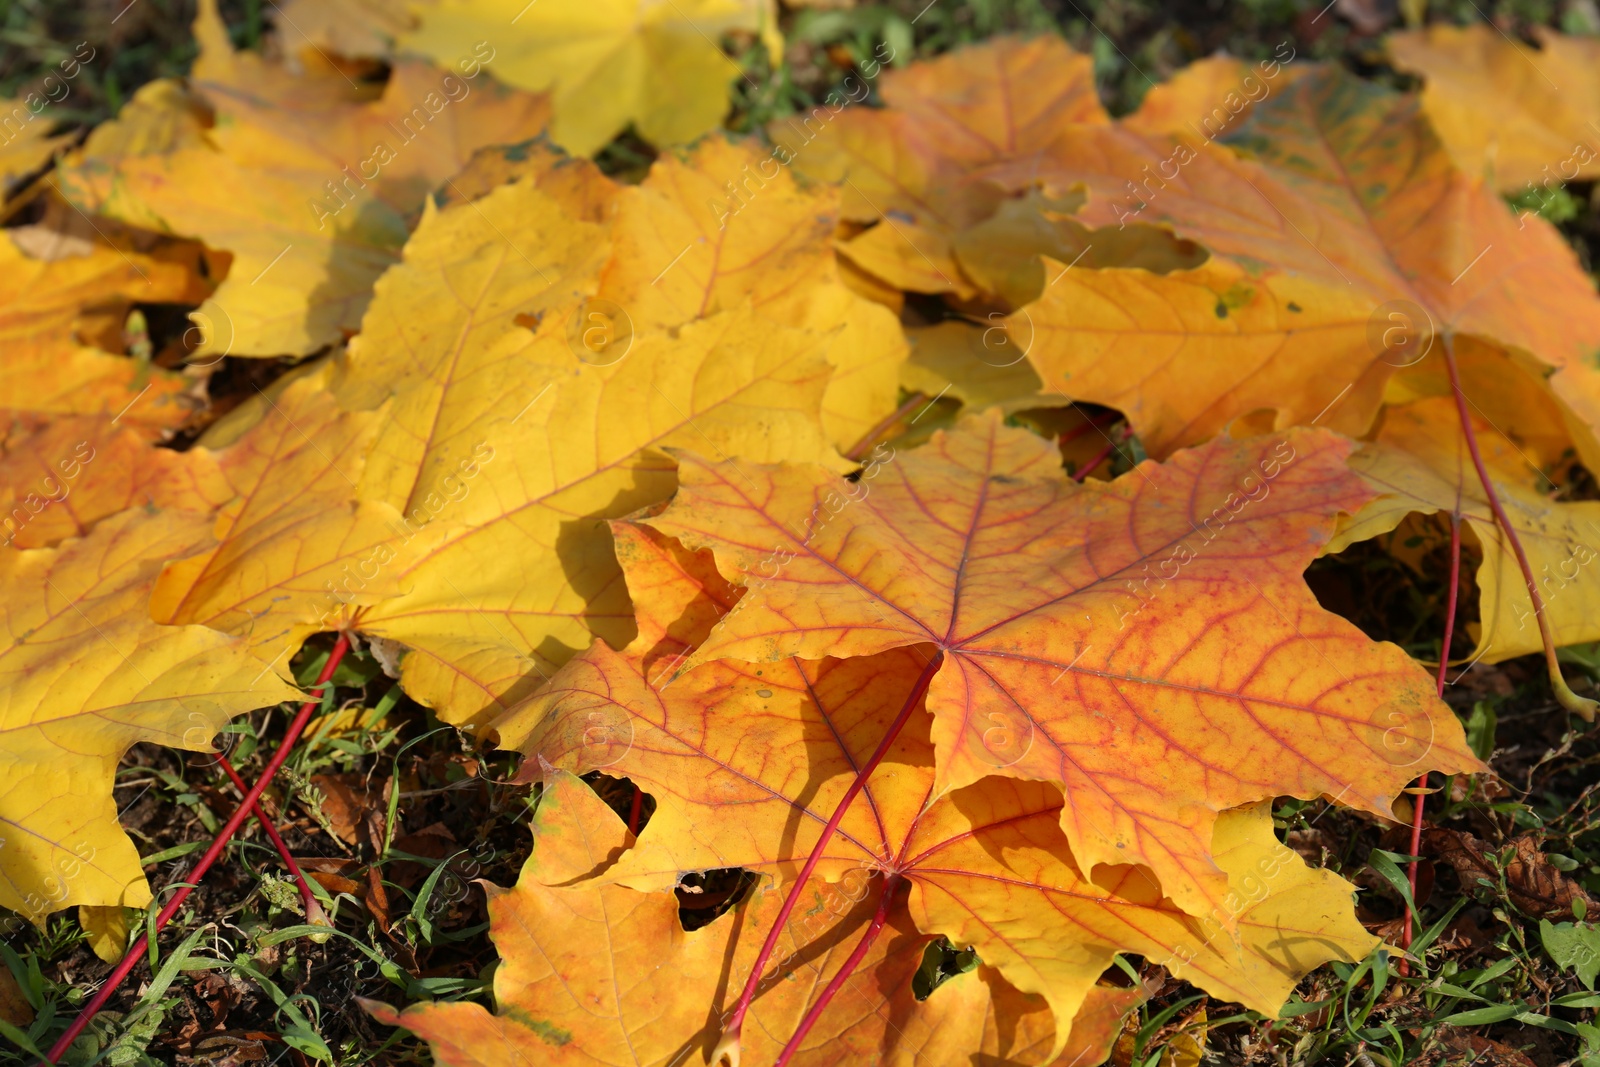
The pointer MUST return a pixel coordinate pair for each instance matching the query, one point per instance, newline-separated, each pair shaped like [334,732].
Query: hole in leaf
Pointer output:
[619,793]
[704,895]
[941,961]
[1395,586]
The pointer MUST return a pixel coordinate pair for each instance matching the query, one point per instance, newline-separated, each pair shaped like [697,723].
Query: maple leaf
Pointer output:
[1419,463]
[77,420]
[1211,94]
[1301,259]
[57,481]
[516,577]
[165,115]
[562,945]
[988,864]
[54,282]
[1541,100]
[1159,621]
[286,523]
[29,142]
[312,191]
[365,28]
[46,381]
[606,64]
[919,168]
[503,565]
[87,675]
[980,366]
[715,229]
[1331,202]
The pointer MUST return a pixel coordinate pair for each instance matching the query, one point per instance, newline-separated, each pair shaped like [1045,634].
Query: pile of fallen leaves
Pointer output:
[900,517]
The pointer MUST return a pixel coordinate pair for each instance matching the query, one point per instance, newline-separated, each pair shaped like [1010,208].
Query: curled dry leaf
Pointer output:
[1536,886]
[1158,621]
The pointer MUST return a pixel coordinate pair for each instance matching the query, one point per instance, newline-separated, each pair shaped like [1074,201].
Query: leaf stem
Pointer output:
[314,913]
[1580,706]
[890,884]
[1444,664]
[115,979]
[870,438]
[634,810]
[729,1045]
[1099,458]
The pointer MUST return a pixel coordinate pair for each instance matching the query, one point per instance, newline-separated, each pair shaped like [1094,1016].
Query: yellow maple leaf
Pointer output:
[87,675]
[290,534]
[55,281]
[726,224]
[312,190]
[1517,116]
[502,442]
[606,62]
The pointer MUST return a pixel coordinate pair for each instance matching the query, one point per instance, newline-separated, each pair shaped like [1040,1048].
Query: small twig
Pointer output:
[140,947]
[729,1044]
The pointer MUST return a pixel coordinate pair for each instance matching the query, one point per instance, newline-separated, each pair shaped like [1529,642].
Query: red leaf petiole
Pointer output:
[1444,663]
[314,913]
[1564,695]
[728,1046]
[890,884]
[120,973]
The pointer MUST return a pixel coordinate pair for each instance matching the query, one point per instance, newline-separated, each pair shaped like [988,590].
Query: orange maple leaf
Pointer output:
[778,743]
[562,945]
[1158,621]
[1332,213]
